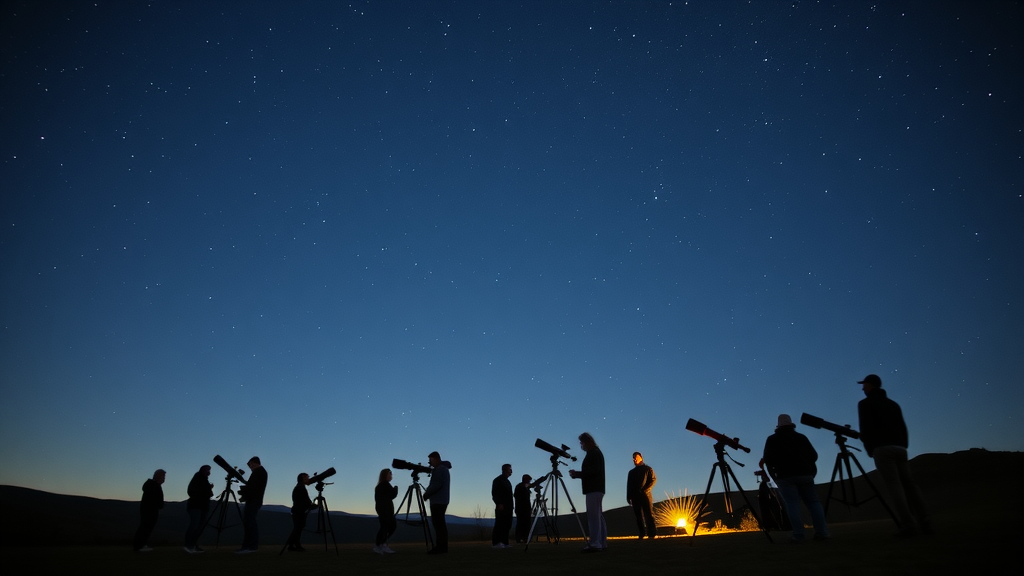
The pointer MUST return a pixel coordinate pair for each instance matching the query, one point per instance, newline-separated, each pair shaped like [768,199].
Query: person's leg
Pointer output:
[147,522]
[437,512]
[251,537]
[255,541]
[522,527]
[791,500]
[915,499]
[602,535]
[888,460]
[809,494]
[652,528]
[593,518]
[638,512]
[496,530]
[390,525]
[246,527]
[195,526]
[506,526]
[298,525]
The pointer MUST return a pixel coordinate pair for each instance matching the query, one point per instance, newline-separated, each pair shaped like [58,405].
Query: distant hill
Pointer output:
[34,518]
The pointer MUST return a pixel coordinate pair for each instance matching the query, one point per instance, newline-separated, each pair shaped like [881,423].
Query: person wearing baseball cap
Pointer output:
[884,434]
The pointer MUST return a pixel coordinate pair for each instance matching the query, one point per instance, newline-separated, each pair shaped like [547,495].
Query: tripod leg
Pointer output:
[324,523]
[407,502]
[287,542]
[704,501]
[837,470]
[572,507]
[540,509]
[849,479]
[321,524]
[753,511]
[726,488]
[877,493]
[428,538]
[220,510]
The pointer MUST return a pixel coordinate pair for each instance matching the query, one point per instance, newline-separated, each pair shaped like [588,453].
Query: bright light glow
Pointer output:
[682,511]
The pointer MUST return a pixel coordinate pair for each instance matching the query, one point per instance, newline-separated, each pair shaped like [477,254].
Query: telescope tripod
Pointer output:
[843,461]
[415,491]
[772,509]
[540,507]
[539,503]
[727,473]
[220,509]
[323,518]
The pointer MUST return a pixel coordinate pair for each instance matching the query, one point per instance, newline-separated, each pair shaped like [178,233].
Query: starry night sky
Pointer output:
[338,233]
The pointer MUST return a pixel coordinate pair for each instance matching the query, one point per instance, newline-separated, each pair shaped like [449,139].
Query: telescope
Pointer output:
[815,422]
[698,428]
[321,476]
[234,474]
[404,465]
[558,452]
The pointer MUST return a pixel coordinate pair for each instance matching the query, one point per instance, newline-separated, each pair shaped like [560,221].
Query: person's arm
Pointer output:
[651,479]
[867,429]
[433,486]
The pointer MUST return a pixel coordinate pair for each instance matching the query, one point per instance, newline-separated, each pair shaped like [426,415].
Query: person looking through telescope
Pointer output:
[252,492]
[301,504]
[439,494]
[790,459]
[523,509]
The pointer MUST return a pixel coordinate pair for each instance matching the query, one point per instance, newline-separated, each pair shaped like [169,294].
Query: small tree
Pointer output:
[481,526]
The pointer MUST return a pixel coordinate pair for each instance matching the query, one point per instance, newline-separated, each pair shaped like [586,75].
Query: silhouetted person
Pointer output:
[301,505]
[591,474]
[384,503]
[639,482]
[523,509]
[252,492]
[200,491]
[149,510]
[790,459]
[501,494]
[884,434]
[439,493]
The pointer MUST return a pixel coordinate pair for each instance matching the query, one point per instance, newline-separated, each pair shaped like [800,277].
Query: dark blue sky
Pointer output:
[333,234]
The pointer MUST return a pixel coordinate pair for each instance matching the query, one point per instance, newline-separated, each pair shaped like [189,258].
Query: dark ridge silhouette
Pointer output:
[37,518]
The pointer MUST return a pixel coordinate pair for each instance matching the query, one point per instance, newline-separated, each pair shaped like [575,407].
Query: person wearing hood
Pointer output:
[439,493]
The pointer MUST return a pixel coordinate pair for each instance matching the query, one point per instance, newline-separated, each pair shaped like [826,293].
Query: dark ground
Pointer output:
[974,495]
